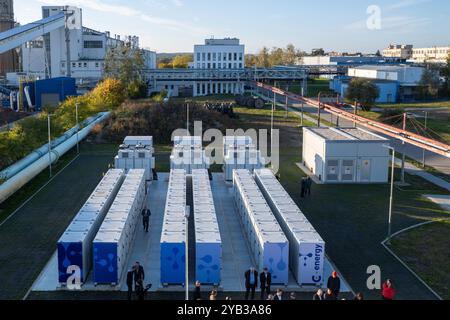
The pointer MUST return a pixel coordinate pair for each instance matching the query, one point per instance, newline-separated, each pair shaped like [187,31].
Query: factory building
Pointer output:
[9,61]
[219,54]
[345,155]
[418,55]
[46,56]
[395,83]
[403,51]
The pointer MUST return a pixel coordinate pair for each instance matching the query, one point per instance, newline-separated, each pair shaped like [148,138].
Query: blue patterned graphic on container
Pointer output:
[208,257]
[69,254]
[276,259]
[105,263]
[173,263]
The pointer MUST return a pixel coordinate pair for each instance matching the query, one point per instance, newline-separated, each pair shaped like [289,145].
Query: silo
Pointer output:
[8,60]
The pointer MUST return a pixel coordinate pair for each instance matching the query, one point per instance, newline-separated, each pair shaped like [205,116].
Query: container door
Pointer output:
[333,170]
[348,170]
[365,170]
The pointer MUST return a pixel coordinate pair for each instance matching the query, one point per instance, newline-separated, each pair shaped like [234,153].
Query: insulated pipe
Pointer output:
[26,90]
[36,154]
[10,186]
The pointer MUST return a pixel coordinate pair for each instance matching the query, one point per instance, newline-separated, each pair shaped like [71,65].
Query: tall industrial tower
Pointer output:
[8,60]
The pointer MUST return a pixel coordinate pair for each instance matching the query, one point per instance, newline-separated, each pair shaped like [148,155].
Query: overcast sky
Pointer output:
[176,25]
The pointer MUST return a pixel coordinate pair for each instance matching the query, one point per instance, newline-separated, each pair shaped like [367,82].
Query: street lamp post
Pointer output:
[391,197]
[426,127]
[78,128]
[49,145]
[187,215]
[318,110]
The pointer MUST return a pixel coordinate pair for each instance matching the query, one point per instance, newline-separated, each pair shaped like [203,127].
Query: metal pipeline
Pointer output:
[10,186]
[36,154]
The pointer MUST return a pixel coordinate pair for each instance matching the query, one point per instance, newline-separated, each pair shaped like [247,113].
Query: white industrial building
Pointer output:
[46,56]
[345,155]
[436,54]
[404,74]
[219,54]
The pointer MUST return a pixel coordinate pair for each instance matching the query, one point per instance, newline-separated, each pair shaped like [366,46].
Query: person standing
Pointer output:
[334,283]
[388,292]
[329,295]
[308,186]
[146,218]
[265,280]
[251,282]
[197,291]
[130,275]
[139,277]
[279,295]
[319,296]
[303,187]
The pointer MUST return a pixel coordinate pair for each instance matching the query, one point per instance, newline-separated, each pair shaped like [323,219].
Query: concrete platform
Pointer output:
[443,201]
[146,249]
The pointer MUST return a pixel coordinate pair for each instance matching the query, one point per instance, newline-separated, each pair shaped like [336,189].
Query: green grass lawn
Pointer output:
[427,251]
[418,105]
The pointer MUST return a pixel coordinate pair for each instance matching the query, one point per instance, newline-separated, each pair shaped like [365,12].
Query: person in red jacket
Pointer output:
[388,292]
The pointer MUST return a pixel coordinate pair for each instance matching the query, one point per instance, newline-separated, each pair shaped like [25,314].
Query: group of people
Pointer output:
[136,276]
[306,185]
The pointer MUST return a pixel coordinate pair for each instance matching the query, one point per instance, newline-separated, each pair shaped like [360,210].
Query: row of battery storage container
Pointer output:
[114,240]
[136,153]
[233,142]
[188,141]
[248,158]
[268,243]
[307,249]
[75,245]
[188,158]
[208,243]
[173,236]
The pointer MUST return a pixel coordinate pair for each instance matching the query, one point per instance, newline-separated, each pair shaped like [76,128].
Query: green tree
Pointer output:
[263,58]
[276,57]
[318,52]
[126,64]
[182,61]
[290,55]
[446,75]
[429,83]
[251,60]
[364,91]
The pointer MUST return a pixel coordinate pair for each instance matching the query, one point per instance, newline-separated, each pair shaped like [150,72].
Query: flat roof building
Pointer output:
[345,155]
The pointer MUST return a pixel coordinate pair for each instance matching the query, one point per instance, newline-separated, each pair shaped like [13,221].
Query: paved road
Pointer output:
[28,238]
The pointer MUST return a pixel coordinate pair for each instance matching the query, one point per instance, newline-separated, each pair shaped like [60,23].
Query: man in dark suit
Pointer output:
[251,282]
[139,277]
[146,213]
[265,280]
[130,275]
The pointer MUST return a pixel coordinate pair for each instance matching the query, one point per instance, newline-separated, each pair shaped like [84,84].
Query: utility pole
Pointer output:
[287,107]
[337,120]
[187,215]
[355,113]
[403,149]
[318,110]
[424,151]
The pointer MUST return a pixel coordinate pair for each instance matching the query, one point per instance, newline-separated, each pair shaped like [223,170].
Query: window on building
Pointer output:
[209,56]
[97,65]
[229,66]
[63,64]
[203,65]
[91,44]
[74,65]
[240,56]
[230,56]
[85,65]
[235,56]
[224,57]
[214,56]
[220,56]
[198,65]
[203,56]
[214,65]
[198,55]
[209,65]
